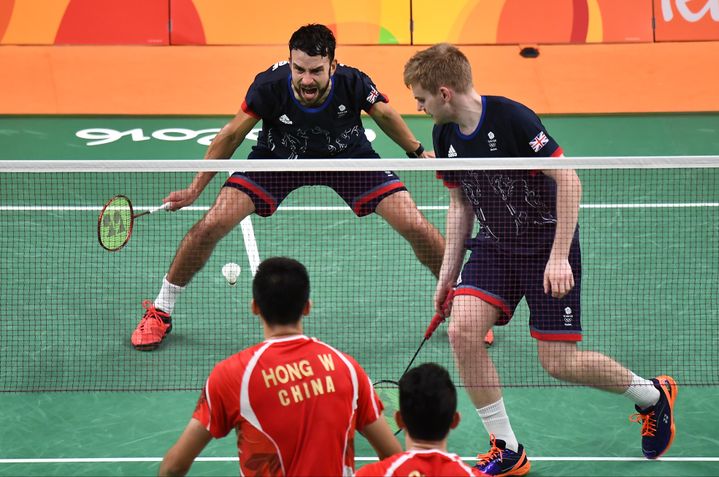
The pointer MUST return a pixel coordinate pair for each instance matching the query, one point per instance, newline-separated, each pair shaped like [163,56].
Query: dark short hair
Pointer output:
[427,402]
[315,40]
[281,289]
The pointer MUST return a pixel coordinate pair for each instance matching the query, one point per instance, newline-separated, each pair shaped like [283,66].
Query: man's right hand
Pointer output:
[181,198]
[440,297]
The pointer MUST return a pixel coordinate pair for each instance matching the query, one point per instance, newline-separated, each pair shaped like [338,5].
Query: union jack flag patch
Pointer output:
[372,96]
[539,141]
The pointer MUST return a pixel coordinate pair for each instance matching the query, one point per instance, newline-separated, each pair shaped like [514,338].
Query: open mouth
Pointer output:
[309,94]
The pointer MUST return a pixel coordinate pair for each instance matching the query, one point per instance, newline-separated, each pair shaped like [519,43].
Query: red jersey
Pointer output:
[294,403]
[419,463]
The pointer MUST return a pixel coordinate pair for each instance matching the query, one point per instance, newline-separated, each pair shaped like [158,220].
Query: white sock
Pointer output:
[495,420]
[642,392]
[169,293]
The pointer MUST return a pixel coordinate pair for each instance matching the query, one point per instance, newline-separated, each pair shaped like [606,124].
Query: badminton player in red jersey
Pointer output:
[427,412]
[293,401]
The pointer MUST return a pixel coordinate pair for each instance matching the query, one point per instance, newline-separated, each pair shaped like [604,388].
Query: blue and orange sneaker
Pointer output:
[501,461]
[152,329]
[658,420]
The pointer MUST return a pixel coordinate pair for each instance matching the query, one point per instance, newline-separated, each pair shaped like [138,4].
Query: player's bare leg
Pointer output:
[400,211]
[230,207]
[471,319]
[653,399]
[565,361]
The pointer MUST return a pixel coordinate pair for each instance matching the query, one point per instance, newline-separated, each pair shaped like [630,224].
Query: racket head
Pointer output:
[114,225]
[388,392]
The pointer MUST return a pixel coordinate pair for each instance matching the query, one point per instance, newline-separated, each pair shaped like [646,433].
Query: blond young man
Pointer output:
[527,247]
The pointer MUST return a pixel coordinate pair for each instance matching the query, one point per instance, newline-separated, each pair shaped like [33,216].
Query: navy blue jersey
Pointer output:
[515,209]
[293,131]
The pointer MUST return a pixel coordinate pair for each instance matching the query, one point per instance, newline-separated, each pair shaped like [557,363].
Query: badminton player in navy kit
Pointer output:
[527,247]
[310,108]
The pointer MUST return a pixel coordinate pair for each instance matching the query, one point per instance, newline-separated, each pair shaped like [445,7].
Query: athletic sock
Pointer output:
[495,420]
[169,293]
[642,392]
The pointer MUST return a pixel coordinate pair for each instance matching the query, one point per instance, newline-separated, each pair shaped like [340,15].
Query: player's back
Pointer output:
[418,463]
[299,402]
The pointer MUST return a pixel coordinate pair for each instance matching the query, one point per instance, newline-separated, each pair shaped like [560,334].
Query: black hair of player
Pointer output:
[315,40]
[281,289]
[427,402]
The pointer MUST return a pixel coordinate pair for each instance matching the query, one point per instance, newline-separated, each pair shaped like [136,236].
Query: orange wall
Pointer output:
[369,22]
[527,21]
[84,22]
[599,78]
[229,22]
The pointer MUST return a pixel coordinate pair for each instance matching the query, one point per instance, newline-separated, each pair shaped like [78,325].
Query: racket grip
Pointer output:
[439,318]
[164,206]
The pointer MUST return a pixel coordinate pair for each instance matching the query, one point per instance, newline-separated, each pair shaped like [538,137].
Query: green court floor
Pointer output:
[650,273]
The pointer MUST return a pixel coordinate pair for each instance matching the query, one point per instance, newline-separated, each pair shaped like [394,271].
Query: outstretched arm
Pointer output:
[222,147]
[460,221]
[391,122]
[180,457]
[558,276]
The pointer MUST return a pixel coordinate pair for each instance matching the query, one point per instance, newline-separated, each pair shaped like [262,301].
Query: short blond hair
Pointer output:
[440,65]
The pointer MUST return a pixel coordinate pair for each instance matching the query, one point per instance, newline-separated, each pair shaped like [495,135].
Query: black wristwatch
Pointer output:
[416,153]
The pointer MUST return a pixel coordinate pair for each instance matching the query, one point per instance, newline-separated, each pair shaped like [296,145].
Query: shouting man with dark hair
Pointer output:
[310,108]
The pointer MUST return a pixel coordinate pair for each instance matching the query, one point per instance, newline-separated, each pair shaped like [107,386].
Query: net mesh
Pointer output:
[650,271]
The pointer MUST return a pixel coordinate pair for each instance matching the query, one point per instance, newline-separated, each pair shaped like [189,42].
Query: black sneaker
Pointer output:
[658,420]
[501,461]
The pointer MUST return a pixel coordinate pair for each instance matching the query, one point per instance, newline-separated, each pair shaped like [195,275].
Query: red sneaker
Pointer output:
[489,338]
[154,326]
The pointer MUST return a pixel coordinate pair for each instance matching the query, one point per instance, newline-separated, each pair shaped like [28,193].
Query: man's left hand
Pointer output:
[558,277]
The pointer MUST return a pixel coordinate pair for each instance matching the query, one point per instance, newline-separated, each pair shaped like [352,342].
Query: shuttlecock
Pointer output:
[231,271]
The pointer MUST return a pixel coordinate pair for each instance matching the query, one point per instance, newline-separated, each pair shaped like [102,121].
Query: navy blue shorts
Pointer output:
[502,280]
[361,190]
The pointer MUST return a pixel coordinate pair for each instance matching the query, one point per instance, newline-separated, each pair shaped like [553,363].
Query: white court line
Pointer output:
[248,235]
[649,206]
[253,254]
[44,208]
[93,460]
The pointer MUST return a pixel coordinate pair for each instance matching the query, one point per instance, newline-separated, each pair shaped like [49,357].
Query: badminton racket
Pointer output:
[116,220]
[387,389]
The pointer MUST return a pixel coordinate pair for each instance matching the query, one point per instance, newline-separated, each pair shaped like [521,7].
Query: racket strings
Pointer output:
[114,226]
